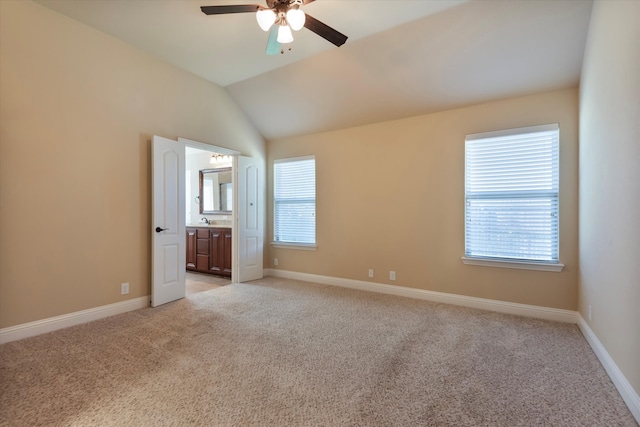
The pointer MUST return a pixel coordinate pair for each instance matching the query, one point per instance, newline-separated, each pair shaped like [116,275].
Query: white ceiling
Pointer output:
[402,58]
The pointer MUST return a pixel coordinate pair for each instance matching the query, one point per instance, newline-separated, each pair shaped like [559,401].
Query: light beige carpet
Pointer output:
[284,353]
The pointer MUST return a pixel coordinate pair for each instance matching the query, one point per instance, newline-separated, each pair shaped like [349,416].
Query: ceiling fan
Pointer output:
[279,18]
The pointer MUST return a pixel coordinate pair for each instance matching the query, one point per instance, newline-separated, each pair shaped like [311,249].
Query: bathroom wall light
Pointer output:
[219,159]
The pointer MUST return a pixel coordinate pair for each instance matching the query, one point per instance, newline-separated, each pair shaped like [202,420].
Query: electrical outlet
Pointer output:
[275,261]
[124,288]
[590,317]
[371,273]
[392,275]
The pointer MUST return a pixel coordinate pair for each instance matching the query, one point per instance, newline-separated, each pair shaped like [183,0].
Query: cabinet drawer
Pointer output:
[203,233]
[202,263]
[202,246]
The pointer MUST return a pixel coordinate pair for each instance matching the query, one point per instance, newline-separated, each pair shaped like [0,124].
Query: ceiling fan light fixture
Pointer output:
[266,18]
[295,18]
[278,18]
[284,34]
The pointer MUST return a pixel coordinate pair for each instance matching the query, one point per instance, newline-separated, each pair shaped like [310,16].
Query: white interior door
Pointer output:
[250,219]
[168,224]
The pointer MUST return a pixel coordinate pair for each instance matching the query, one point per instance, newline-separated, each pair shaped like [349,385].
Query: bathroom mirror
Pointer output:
[216,191]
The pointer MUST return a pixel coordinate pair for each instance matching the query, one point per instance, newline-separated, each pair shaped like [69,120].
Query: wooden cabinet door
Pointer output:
[191,248]
[226,261]
[220,251]
[216,248]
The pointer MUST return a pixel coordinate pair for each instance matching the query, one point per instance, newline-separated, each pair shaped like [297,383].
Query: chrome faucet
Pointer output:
[205,220]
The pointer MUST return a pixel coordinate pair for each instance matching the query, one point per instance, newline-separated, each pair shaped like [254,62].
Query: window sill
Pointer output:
[299,246]
[522,265]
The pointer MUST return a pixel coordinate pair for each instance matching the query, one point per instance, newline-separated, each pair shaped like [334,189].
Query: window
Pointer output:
[295,201]
[511,195]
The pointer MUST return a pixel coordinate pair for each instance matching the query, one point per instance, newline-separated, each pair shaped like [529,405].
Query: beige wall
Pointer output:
[610,183]
[390,196]
[77,111]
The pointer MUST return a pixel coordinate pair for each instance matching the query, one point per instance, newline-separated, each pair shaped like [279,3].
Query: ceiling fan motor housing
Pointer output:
[283,4]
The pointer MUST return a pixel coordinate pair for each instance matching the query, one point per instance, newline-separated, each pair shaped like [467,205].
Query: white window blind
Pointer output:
[295,200]
[511,192]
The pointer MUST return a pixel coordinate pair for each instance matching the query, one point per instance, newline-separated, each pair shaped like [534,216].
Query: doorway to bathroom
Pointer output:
[242,232]
[208,218]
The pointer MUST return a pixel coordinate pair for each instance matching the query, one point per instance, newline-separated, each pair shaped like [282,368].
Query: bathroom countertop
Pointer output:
[202,224]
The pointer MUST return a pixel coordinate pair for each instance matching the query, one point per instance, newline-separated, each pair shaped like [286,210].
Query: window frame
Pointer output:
[506,261]
[290,244]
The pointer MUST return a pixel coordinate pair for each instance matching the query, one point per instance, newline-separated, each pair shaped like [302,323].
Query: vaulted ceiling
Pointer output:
[402,58]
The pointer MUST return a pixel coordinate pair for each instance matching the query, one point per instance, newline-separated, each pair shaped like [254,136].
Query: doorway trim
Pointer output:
[208,147]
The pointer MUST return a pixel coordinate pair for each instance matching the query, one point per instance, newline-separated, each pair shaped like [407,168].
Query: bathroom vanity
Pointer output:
[209,249]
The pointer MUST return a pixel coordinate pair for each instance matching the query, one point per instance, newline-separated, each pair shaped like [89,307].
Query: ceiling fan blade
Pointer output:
[307,1]
[273,47]
[325,31]
[238,8]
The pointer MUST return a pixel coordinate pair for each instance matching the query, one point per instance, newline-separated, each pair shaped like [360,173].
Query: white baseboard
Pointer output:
[25,330]
[627,392]
[462,300]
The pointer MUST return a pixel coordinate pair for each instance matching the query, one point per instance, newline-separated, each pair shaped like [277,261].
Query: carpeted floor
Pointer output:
[283,353]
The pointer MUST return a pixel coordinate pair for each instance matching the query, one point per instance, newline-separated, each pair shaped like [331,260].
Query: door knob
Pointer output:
[158,229]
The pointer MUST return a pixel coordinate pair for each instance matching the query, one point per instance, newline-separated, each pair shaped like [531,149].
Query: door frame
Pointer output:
[234,154]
